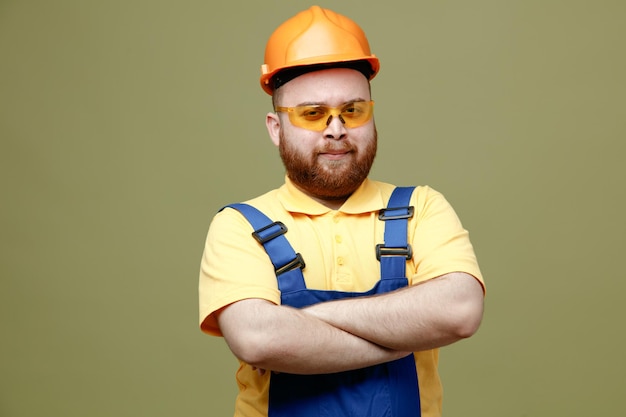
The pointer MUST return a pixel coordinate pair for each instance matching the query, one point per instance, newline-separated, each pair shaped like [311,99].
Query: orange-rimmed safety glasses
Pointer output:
[317,117]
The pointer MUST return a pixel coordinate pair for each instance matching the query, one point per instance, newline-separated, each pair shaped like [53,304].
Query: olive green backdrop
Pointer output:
[124,126]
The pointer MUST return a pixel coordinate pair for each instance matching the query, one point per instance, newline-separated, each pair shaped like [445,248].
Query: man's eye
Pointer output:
[352,111]
[313,113]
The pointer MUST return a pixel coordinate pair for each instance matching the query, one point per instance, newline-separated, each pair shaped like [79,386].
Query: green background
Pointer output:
[125,125]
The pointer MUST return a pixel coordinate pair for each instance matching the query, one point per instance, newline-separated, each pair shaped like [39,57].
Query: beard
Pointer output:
[329,180]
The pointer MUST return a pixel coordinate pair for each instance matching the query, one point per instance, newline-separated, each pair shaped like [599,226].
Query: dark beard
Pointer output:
[330,181]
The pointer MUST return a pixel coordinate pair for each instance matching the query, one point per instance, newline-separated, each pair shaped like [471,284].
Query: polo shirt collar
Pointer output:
[367,198]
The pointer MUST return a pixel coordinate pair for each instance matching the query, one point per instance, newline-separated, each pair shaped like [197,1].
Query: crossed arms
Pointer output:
[353,333]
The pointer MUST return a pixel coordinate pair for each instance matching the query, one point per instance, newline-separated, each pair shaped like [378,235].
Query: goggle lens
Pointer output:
[316,117]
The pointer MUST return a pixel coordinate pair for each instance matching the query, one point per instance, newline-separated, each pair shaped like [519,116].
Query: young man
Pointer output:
[335,291]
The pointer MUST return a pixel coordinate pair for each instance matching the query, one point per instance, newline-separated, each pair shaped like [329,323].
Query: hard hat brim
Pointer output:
[315,64]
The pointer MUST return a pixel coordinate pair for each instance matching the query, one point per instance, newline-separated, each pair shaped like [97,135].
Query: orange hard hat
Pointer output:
[315,36]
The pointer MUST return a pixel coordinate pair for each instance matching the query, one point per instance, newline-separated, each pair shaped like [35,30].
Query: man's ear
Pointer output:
[272,122]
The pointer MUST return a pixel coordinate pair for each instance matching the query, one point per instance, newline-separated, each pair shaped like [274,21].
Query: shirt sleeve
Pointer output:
[440,243]
[234,267]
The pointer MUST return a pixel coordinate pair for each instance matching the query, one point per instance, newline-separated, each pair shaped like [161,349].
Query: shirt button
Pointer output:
[338,238]
[336,219]
[340,261]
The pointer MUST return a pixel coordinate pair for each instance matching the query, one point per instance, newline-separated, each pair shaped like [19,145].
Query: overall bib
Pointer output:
[386,390]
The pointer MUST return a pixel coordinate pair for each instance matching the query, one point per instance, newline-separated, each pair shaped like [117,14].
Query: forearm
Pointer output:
[285,339]
[430,315]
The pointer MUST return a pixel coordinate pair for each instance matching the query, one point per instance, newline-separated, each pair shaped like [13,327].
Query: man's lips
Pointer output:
[336,151]
[335,154]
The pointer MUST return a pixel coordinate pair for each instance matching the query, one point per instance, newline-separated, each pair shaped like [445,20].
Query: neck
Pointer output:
[333,203]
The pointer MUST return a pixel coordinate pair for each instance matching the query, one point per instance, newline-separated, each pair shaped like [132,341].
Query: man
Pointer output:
[335,291]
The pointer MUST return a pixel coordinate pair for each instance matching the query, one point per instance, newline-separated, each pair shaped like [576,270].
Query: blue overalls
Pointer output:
[386,390]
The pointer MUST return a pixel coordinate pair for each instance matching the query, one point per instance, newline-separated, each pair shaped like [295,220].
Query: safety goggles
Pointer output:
[317,117]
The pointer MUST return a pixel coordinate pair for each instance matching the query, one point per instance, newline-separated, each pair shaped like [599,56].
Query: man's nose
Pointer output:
[335,127]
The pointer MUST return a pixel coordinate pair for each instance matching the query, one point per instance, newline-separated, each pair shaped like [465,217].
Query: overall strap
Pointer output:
[394,253]
[287,263]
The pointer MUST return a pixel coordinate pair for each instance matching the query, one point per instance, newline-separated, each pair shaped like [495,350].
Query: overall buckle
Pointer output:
[382,250]
[269,232]
[395,213]
[297,262]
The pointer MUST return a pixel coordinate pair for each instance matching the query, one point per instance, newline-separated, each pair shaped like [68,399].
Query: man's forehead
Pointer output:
[341,84]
